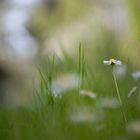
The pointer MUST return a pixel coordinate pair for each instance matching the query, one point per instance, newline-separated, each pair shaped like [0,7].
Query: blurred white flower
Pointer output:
[24,3]
[65,83]
[136,75]
[88,94]
[112,62]
[85,114]
[133,127]
[120,71]
[108,102]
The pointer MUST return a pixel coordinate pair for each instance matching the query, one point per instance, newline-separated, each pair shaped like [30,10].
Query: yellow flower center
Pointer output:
[112,61]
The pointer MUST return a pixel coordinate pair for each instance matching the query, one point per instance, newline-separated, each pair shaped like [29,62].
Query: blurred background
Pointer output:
[33,30]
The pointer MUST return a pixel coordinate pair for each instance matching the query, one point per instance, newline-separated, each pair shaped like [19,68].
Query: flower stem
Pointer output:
[119,97]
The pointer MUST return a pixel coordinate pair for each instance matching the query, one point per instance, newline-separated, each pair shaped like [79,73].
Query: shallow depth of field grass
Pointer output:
[90,109]
[71,115]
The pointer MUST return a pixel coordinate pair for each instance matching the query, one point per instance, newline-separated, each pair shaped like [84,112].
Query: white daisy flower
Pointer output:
[112,62]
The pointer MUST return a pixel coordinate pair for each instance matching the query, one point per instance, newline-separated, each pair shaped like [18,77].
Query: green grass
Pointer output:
[71,116]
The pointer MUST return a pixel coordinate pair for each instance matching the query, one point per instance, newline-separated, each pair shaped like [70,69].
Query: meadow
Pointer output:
[90,109]
[82,93]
